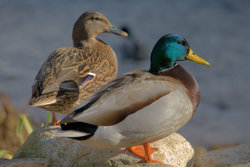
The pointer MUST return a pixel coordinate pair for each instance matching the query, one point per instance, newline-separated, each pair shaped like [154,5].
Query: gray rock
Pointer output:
[173,150]
[242,165]
[26,162]
[233,156]
[199,150]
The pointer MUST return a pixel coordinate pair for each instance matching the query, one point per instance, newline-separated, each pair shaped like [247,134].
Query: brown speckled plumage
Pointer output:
[58,85]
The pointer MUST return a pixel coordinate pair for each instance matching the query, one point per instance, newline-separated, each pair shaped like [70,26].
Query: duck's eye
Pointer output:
[95,18]
[181,43]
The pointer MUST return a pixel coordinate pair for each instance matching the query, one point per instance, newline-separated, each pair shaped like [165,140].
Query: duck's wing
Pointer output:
[64,70]
[123,96]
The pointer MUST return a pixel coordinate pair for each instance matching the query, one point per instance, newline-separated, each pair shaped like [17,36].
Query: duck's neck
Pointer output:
[155,68]
[160,62]
[179,73]
[82,38]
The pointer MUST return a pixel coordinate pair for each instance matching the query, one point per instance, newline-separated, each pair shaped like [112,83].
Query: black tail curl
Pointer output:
[80,126]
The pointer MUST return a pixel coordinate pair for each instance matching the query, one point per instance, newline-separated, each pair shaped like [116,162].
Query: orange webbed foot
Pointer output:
[55,122]
[144,151]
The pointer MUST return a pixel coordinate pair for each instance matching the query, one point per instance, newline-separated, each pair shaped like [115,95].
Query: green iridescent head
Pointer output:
[168,50]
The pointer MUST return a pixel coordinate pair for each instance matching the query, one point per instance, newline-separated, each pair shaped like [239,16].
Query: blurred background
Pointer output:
[218,31]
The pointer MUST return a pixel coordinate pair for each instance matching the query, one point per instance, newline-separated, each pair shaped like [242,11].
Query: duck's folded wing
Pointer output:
[122,97]
[62,71]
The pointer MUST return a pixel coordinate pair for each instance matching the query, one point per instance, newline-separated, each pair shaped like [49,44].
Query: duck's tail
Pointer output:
[69,133]
[75,130]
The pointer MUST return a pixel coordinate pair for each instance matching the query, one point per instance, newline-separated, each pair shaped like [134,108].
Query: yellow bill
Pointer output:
[194,57]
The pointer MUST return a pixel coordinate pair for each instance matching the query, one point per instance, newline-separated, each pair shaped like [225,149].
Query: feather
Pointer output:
[69,133]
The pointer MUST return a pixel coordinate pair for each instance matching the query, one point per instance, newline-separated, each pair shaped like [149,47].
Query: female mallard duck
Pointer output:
[141,106]
[72,74]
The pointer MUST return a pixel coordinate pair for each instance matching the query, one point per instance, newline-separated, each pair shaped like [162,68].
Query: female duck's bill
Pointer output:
[112,29]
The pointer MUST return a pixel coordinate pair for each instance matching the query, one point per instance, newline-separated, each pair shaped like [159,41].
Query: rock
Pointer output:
[173,150]
[124,160]
[242,165]
[233,156]
[222,146]
[26,162]
[199,150]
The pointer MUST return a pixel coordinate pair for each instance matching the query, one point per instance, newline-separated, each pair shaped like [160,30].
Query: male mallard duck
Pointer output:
[141,106]
[72,74]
